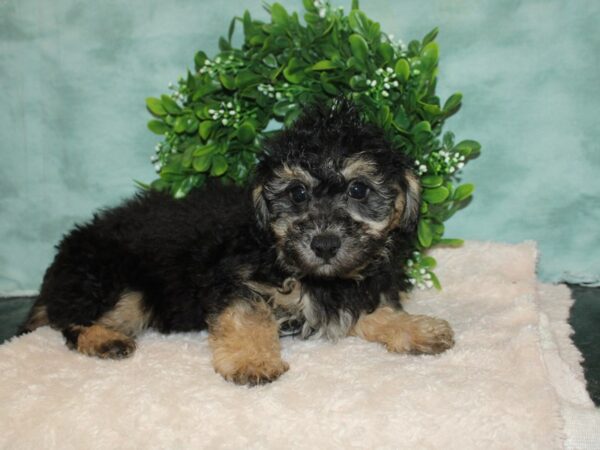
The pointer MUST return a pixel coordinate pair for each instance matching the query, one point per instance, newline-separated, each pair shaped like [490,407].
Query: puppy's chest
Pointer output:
[298,313]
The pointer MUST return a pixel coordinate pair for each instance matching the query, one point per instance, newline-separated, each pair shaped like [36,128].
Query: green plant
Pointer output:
[215,119]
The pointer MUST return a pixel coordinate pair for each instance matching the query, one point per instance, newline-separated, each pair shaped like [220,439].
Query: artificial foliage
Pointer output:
[215,118]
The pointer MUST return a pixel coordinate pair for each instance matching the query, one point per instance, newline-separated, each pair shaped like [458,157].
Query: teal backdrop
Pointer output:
[74,76]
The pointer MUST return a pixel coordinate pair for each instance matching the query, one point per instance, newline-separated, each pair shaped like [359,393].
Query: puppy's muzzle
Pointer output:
[325,245]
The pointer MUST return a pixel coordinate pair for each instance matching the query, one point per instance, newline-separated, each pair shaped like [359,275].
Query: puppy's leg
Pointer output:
[245,342]
[112,335]
[97,340]
[404,333]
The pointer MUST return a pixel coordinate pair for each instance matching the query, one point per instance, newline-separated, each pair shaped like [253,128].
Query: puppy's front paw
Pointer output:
[404,333]
[429,335]
[253,373]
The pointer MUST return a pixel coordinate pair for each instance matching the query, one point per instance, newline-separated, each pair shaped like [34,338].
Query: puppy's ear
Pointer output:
[412,201]
[260,206]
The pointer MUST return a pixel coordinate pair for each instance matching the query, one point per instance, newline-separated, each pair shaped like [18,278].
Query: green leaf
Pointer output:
[358,83]
[270,61]
[219,166]
[202,150]
[294,71]
[422,127]
[224,44]
[358,21]
[424,234]
[158,127]
[180,125]
[452,242]
[432,181]
[402,69]
[169,105]
[246,132]
[453,102]
[429,55]
[279,14]
[435,281]
[201,163]
[355,5]
[463,191]
[467,147]
[436,195]
[430,37]
[246,78]
[359,47]
[227,81]
[155,106]
[231,29]
[428,262]
[386,52]
[206,128]
[281,108]
[324,64]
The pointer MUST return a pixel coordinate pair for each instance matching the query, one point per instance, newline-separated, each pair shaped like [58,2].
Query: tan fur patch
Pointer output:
[97,340]
[38,317]
[291,173]
[358,166]
[245,343]
[128,316]
[404,333]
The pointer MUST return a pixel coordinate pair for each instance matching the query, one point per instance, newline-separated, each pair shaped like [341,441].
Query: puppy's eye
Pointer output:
[299,194]
[358,190]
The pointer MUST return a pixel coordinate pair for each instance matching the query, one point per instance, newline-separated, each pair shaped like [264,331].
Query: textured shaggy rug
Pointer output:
[512,381]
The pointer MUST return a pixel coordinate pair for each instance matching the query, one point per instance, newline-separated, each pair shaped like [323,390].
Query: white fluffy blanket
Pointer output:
[512,381]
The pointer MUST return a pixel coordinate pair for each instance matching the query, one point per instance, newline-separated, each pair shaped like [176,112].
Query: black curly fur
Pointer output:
[191,258]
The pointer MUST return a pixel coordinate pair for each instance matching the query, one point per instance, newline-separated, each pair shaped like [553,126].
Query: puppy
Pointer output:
[315,247]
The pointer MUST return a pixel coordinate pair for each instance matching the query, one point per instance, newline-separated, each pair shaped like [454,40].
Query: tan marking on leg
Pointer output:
[128,316]
[245,343]
[97,340]
[38,317]
[404,333]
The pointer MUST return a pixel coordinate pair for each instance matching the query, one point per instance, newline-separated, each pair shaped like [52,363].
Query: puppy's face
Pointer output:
[334,203]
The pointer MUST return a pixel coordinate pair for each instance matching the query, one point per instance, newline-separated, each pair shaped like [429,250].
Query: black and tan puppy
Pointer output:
[316,247]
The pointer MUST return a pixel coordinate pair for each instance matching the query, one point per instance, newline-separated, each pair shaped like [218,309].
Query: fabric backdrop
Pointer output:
[74,76]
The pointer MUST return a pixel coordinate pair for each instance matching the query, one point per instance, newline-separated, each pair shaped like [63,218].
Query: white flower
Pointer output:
[157,167]
[423,168]
[322,13]
[386,85]
[229,105]
[389,70]
[278,95]
[385,93]
[224,121]
[416,72]
[395,83]
[460,165]
[231,112]
[429,284]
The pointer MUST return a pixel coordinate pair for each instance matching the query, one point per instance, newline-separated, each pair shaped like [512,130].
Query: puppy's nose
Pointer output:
[325,245]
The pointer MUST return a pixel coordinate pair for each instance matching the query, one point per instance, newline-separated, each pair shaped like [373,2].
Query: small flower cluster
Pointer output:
[228,114]
[322,7]
[221,65]
[163,149]
[414,67]
[384,81]
[419,277]
[179,92]
[398,45]
[268,91]
[444,162]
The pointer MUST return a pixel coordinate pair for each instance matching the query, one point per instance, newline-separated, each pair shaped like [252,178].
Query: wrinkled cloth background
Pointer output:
[74,76]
